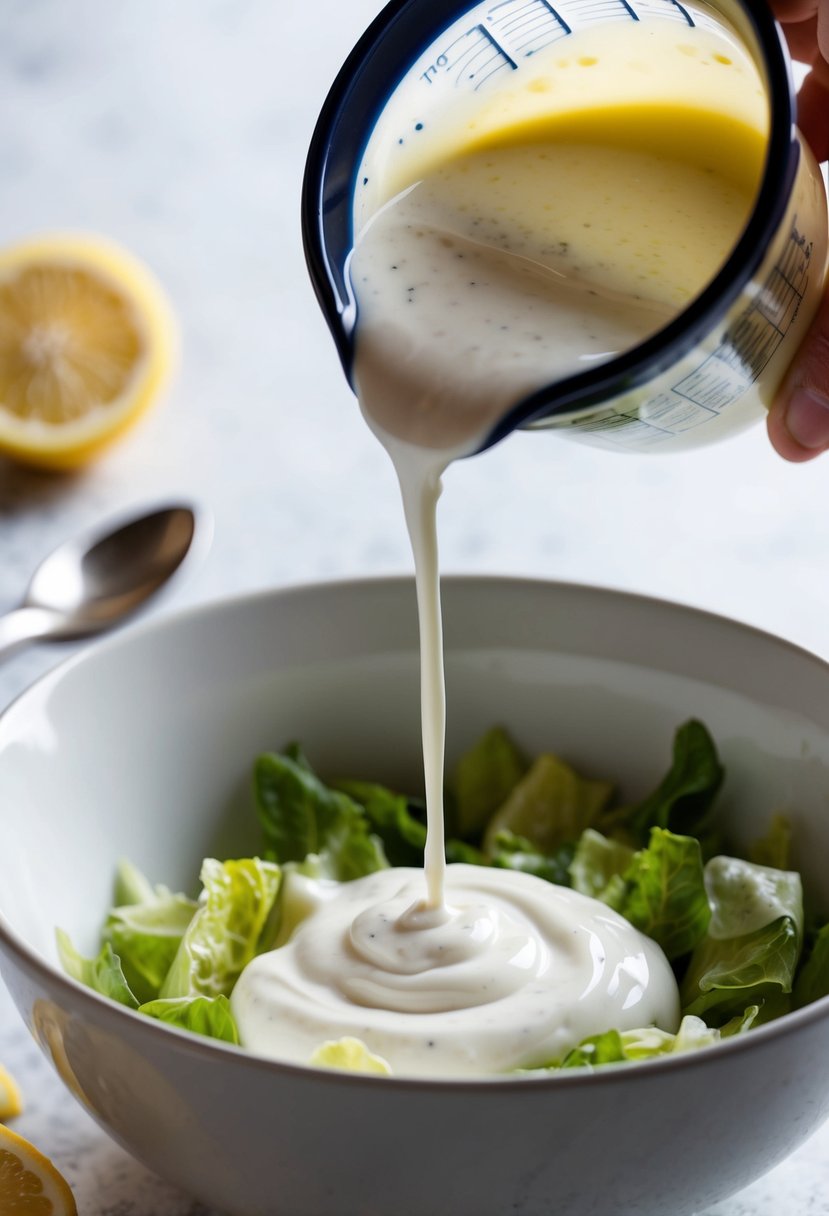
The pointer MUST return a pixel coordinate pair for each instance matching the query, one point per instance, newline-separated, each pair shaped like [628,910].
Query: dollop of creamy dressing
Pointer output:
[509,972]
[514,256]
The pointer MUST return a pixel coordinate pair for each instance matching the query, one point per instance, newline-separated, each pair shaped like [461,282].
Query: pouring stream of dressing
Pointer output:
[500,269]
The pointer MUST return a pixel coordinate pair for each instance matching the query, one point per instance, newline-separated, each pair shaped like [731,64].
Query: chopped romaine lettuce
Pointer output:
[733,929]
[205,1015]
[597,862]
[103,973]
[664,893]
[752,947]
[616,1047]
[515,853]
[484,778]
[745,897]
[813,980]
[146,937]
[131,886]
[301,816]
[660,889]
[683,801]
[403,835]
[550,806]
[227,930]
[723,976]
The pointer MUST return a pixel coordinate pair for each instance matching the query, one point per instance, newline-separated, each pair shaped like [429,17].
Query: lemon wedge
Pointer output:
[29,1183]
[86,345]
[11,1102]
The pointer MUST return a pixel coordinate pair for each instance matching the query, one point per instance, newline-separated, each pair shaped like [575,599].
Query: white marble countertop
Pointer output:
[181,131]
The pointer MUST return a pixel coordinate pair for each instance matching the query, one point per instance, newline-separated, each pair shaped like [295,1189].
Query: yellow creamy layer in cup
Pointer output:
[548,248]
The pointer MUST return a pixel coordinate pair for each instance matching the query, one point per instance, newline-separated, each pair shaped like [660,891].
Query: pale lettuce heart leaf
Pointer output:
[350,1055]
[300,817]
[403,835]
[751,951]
[665,895]
[132,886]
[483,779]
[146,937]
[723,977]
[549,807]
[228,930]
[618,1047]
[205,1015]
[303,892]
[597,860]
[103,974]
[513,852]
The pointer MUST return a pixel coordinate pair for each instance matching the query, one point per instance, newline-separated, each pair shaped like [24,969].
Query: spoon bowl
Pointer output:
[94,581]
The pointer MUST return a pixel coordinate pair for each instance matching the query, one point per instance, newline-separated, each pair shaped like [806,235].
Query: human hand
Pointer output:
[798,422]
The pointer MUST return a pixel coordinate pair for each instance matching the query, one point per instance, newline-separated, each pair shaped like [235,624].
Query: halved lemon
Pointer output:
[29,1183]
[11,1102]
[86,345]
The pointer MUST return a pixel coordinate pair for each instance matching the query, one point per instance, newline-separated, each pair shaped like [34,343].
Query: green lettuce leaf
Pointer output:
[400,825]
[206,1015]
[773,849]
[724,976]
[597,861]
[301,816]
[751,951]
[745,897]
[683,801]
[460,850]
[606,1048]
[616,1047]
[103,974]
[550,806]
[741,1022]
[228,929]
[813,978]
[146,937]
[665,895]
[515,853]
[402,833]
[483,779]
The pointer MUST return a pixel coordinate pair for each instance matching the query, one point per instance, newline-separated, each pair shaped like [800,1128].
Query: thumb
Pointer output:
[798,421]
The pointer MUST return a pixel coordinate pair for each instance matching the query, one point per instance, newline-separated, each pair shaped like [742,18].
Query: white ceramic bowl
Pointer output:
[143,747]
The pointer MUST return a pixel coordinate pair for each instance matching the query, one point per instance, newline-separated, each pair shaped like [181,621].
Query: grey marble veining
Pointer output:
[180,130]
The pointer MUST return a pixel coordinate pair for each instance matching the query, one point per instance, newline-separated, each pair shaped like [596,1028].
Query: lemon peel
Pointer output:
[11,1100]
[30,1185]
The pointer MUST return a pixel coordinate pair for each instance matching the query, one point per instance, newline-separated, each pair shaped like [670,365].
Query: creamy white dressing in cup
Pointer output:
[429,78]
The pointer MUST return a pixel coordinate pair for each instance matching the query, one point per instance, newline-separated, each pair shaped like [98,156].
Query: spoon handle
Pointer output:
[23,625]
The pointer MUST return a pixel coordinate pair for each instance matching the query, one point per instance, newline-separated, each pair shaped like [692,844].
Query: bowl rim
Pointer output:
[13,945]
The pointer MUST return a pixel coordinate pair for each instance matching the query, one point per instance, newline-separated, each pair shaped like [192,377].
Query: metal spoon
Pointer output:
[95,581]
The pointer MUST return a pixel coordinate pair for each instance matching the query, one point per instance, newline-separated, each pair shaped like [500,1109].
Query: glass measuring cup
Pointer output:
[716,365]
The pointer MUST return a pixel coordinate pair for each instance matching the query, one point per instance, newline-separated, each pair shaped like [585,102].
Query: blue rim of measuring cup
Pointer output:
[396,38]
